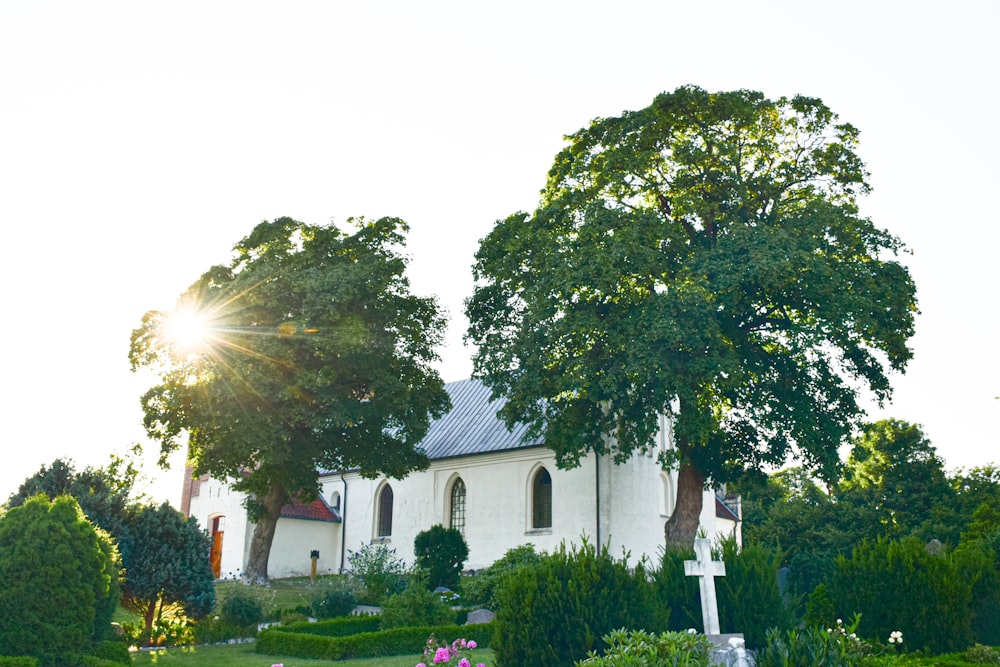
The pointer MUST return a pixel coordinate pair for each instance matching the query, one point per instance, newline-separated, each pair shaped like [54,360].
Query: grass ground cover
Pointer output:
[243,655]
[279,593]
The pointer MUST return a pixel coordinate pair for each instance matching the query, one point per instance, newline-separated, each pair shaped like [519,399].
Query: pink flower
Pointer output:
[464,663]
[442,655]
[420,664]
[472,643]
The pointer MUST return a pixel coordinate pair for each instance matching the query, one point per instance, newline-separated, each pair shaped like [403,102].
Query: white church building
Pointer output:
[497,489]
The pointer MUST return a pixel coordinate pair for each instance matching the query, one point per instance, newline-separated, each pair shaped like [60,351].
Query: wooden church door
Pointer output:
[218,528]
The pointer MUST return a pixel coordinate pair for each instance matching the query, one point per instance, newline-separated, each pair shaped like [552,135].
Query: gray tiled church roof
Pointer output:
[472,425]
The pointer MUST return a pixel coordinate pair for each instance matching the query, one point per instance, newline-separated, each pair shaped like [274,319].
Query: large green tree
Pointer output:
[312,354]
[703,257]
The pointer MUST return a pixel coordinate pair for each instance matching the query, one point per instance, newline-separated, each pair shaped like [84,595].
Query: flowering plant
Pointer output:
[443,653]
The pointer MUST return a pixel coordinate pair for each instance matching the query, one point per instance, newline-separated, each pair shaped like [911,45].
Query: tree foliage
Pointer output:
[703,257]
[441,553]
[103,494]
[60,580]
[167,561]
[315,355]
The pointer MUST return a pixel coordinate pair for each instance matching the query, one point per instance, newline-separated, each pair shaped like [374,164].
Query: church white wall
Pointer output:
[294,539]
[636,500]
[498,497]
[216,498]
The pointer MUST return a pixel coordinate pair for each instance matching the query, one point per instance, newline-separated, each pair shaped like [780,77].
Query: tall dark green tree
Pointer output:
[306,352]
[167,562]
[703,257]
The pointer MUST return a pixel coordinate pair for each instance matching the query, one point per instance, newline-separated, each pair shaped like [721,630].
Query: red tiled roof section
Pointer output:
[317,510]
[724,511]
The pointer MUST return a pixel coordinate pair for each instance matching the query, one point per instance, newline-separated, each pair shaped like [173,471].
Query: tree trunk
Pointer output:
[263,536]
[682,526]
[149,616]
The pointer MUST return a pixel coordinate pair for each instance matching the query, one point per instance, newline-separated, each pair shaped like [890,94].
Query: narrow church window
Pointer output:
[541,500]
[458,505]
[385,512]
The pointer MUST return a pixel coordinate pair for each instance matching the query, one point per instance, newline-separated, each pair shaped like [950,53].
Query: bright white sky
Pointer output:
[140,141]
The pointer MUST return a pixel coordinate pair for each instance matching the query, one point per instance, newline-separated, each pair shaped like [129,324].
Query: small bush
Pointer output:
[18,661]
[113,651]
[484,587]
[381,572]
[333,598]
[810,646]
[241,607]
[213,630]
[415,606]
[982,655]
[642,649]
[441,553]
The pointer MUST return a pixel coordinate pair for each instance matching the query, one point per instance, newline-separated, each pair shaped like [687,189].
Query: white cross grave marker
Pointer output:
[706,570]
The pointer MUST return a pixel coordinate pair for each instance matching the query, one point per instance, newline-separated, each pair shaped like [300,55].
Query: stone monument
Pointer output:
[729,649]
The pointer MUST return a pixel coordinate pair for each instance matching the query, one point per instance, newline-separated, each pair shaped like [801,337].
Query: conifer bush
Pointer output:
[676,591]
[898,585]
[749,599]
[57,577]
[555,612]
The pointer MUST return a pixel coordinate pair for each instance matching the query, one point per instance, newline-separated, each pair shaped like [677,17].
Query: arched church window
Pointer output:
[541,499]
[385,512]
[457,519]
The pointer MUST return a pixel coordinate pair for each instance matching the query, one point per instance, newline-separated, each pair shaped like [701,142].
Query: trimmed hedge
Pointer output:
[337,627]
[20,661]
[399,641]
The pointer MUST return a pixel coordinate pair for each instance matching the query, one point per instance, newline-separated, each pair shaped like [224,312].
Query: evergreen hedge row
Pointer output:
[399,641]
[336,627]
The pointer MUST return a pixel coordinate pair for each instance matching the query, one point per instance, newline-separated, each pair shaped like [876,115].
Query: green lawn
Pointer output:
[278,594]
[243,655]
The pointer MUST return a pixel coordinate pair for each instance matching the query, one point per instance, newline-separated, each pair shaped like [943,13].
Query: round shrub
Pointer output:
[241,607]
[56,577]
[416,606]
[334,598]
[381,571]
[441,553]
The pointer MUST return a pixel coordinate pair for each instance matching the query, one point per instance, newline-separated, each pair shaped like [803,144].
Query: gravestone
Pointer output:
[729,649]
[706,570]
[478,616]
